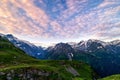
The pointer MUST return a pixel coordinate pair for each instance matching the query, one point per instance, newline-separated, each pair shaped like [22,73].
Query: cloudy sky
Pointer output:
[51,21]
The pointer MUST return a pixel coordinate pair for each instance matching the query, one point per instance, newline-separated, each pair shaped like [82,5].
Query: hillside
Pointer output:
[26,46]
[113,77]
[9,54]
[16,65]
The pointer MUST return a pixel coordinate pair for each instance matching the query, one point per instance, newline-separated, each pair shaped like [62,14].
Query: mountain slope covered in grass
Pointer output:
[16,65]
[9,54]
[113,77]
[27,47]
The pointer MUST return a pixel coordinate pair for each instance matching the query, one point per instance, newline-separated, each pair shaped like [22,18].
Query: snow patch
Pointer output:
[38,53]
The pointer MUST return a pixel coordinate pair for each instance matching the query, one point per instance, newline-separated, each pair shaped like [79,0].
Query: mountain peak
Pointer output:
[9,35]
[26,46]
[1,34]
[115,42]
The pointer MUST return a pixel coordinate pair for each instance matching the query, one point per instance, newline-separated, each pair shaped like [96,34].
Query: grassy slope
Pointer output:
[9,54]
[113,77]
[12,58]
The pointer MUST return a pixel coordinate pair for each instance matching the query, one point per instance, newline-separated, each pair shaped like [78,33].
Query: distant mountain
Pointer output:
[104,57]
[29,48]
[94,45]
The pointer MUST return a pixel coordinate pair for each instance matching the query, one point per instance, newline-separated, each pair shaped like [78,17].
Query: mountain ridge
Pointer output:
[29,48]
[15,64]
[104,57]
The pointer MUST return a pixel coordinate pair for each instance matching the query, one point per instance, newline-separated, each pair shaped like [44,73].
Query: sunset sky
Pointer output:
[51,21]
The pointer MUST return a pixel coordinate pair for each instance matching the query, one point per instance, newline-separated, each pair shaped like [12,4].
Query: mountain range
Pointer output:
[103,57]
[16,65]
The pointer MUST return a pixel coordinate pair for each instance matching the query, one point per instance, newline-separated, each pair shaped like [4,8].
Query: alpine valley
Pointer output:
[86,60]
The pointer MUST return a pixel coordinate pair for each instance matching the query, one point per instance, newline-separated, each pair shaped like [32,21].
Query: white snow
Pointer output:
[90,51]
[38,53]
[18,44]
[10,39]
[27,42]
[72,54]
[99,47]
[1,34]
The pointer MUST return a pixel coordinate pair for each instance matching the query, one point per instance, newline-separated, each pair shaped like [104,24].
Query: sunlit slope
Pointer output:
[113,77]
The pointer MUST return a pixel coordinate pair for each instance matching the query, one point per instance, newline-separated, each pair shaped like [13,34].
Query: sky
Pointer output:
[52,21]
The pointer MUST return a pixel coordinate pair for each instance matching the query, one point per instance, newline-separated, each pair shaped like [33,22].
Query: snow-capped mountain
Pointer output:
[93,45]
[27,47]
[1,34]
[60,51]
[104,57]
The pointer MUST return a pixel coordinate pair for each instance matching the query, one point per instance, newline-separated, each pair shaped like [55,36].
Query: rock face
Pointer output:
[27,74]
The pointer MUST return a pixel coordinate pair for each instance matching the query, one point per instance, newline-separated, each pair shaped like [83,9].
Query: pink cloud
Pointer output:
[35,22]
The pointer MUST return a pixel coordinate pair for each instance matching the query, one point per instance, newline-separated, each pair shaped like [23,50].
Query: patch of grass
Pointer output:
[113,77]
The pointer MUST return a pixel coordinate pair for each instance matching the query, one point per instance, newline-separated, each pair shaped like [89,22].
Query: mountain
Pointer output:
[16,65]
[61,51]
[27,47]
[104,57]
[94,45]
[9,54]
